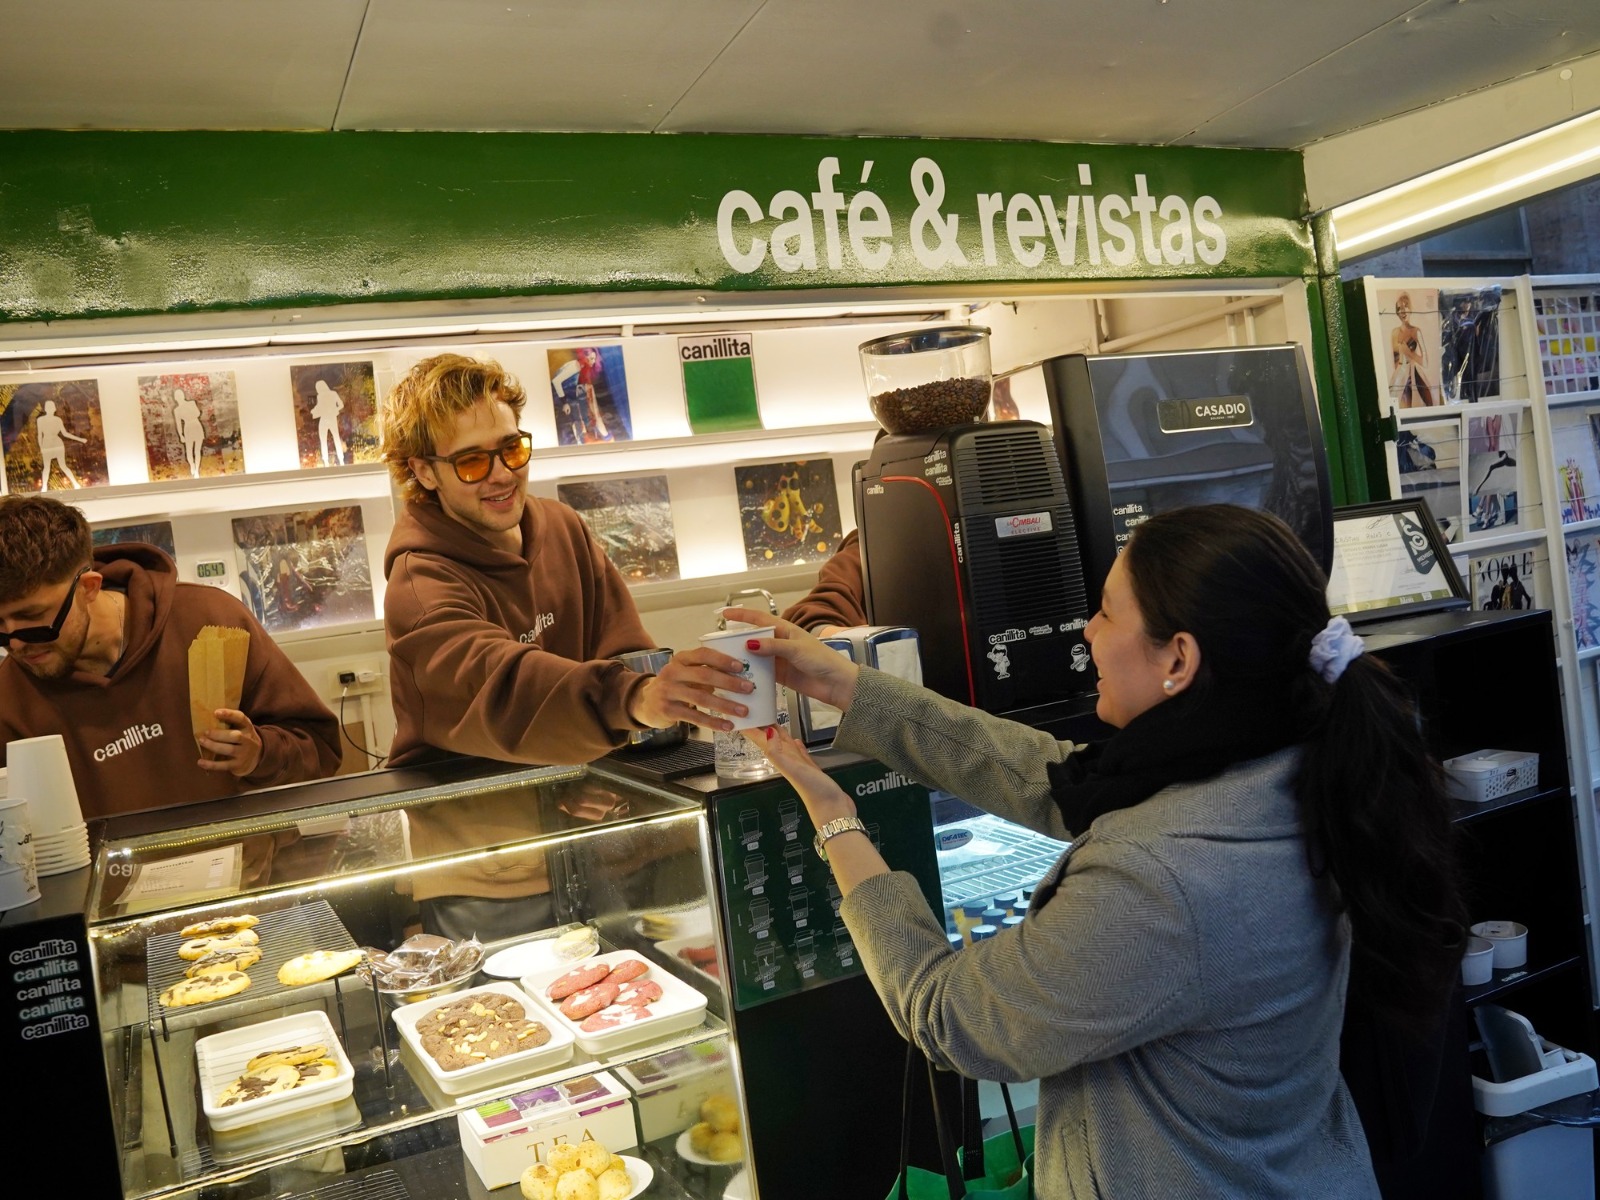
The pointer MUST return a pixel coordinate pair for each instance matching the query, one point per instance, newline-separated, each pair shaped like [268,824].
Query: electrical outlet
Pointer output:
[356,678]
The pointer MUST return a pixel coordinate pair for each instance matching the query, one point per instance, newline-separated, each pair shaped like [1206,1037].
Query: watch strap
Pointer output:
[832,830]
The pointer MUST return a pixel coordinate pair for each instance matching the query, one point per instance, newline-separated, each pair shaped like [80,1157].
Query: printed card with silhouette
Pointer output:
[303,569]
[335,413]
[632,520]
[52,436]
[788,512]
[191,425]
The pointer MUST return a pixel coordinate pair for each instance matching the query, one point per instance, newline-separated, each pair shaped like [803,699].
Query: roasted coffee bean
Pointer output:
[935,405]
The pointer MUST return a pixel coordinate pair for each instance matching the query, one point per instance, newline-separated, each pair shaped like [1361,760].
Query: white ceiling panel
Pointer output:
[1089,70]
[1435,52]
[615,65]
[174,64]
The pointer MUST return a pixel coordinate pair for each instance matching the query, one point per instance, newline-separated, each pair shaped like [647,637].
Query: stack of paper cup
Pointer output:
[19,882]
[38,772]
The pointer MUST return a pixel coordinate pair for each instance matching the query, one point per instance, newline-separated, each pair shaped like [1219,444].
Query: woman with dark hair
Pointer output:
[1264,827]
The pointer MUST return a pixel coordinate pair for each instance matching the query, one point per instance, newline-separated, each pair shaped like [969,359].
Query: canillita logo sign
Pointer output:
[829,230]
[1215,412]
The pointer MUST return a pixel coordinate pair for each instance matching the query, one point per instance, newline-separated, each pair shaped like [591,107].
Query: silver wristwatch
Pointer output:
[833,829]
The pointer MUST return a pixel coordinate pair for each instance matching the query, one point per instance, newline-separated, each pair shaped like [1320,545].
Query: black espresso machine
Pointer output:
[967,536]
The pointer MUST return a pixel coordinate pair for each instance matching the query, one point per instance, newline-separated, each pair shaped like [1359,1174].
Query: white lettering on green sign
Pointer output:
[1066,227]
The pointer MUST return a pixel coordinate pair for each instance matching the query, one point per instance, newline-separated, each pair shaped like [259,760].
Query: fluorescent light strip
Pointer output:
[1389,207]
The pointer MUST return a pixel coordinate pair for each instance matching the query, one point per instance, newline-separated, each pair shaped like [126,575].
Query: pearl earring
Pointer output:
[1167,685]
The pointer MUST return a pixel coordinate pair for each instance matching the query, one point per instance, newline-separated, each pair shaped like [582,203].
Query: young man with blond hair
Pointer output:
[98,651]
[502,612]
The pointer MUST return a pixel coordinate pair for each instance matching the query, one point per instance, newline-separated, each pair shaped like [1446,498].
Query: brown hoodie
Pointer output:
[503,655]
[840,595]
[129,738]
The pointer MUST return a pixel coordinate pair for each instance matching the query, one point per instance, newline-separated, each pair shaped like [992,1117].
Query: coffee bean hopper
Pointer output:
[967,532]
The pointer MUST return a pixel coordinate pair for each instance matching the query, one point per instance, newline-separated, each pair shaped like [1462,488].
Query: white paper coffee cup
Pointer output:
[16,852]
[763,702]
[38,771]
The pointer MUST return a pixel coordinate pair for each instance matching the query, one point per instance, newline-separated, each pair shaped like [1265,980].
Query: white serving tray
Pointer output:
[669,950]
[222,1058]
[493,1070]
[680,1007]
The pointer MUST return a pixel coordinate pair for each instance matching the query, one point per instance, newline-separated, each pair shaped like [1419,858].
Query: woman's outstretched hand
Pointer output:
[824,799]
[803,663]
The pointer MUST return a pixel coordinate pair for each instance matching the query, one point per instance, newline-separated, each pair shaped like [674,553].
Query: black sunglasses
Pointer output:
[39,634]
[473,466]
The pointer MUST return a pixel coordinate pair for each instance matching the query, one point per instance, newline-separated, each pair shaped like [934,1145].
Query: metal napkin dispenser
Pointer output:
[889,648]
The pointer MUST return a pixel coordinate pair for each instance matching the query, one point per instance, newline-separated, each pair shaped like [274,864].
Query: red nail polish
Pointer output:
[752,644]
[771,732]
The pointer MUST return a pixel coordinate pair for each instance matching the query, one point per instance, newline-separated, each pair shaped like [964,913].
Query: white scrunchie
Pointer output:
[1334,649]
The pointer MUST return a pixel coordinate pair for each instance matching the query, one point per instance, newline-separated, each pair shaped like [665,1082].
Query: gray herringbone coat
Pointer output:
[1177,988]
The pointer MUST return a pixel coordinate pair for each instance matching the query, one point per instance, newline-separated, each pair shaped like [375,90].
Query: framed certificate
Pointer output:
[1390,558]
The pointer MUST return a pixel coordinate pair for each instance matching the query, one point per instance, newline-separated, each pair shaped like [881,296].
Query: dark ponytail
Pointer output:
[1377,817]
[1372,801]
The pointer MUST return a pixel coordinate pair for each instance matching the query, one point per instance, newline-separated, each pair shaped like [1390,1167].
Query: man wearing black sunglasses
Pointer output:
[504,616]
[98,643]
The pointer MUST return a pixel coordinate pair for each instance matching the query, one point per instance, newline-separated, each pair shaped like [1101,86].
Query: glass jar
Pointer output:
[928,379]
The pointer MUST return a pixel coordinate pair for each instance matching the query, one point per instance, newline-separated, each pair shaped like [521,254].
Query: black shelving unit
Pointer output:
[1488,680]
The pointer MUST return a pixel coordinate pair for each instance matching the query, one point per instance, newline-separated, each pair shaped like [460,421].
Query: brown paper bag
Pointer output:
[216,674]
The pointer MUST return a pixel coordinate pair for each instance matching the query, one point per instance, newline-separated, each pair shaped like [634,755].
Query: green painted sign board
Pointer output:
[114,223]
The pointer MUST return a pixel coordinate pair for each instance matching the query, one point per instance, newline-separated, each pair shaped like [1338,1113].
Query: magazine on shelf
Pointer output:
[1583,579]
[589,389]
[303,569]
[1429,456]
[151,533]
[1509,581]
[1408,321]
[788,512]
[1572,448]
[631,519]
[1493,474]
[1469,357]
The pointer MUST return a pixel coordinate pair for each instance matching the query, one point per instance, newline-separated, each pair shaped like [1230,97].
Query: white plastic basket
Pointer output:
[1489,774]
[222,1058]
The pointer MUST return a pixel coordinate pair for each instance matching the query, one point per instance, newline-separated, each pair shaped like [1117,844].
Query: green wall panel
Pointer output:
[112,223]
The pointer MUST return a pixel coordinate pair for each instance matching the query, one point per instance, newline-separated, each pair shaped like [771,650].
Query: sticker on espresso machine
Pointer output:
[1023,524]
[1212,412]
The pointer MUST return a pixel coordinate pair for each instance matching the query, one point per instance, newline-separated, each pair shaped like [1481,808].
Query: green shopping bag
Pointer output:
[977,1169]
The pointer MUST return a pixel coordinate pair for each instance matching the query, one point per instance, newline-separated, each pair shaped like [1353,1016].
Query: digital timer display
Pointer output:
[211,569]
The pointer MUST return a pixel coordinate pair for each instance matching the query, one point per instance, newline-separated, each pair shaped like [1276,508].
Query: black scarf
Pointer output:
[1189,737]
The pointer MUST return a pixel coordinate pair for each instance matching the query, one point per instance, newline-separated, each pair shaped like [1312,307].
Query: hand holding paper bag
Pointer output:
[227,738]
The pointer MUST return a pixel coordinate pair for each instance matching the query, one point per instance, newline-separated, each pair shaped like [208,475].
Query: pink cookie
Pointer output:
[628,970]
[591,1000]
[576,980]
[642,991]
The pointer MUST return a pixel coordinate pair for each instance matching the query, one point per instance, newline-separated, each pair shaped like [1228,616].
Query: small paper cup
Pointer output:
[39,773]
[763,702]
[1510,941]
[1477,964]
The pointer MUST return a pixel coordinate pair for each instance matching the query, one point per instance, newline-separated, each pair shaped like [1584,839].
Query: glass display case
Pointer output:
[384,1084]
